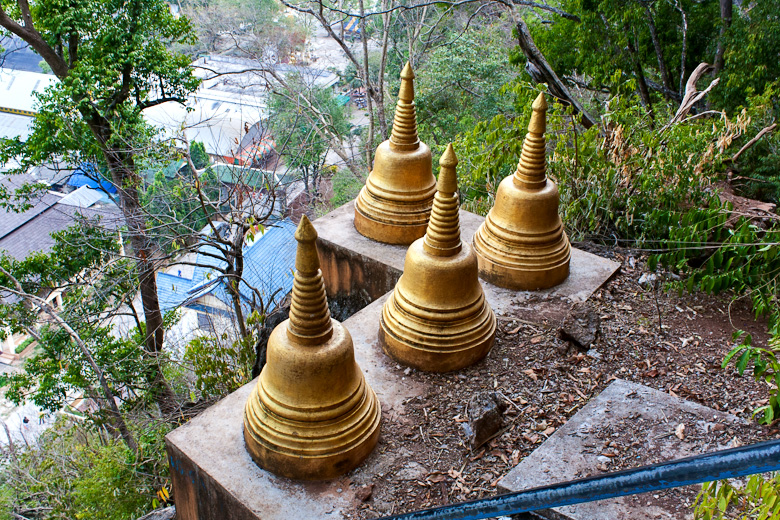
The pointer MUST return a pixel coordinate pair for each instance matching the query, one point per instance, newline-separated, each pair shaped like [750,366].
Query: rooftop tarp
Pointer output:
[87,175]
[352,25]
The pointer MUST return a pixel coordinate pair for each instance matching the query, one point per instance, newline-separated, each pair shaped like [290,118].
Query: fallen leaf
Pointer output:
[549,431]
[515,457]
[536,339]
[680,431]
[436,477]
[530,373]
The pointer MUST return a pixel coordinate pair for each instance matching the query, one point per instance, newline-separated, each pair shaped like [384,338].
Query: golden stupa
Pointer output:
[311,416]
[394,205]
[437,318]
[522,244]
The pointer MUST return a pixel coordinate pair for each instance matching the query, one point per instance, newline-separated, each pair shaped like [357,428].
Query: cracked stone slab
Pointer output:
[627,425]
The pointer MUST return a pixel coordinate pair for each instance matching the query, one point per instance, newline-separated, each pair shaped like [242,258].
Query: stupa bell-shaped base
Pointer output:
[437,318]
[522,244]
[311,415]
[394,205]
[325,432]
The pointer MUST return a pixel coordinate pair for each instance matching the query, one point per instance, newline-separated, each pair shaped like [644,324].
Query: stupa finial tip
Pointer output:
[305,231]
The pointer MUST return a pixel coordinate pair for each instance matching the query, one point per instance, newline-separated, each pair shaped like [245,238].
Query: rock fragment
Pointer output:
[581,325]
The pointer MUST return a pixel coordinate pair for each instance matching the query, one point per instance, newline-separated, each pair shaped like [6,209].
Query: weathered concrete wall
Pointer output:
[352,280]
[197,494]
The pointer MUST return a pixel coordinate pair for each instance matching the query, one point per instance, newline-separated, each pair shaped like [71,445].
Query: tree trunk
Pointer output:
[556,86]
[659,55]
[125,178]
[644,92]
[726,13]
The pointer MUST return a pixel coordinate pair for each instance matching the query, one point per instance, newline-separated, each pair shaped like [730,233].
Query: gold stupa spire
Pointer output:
[522,243]
[437,318]
[394,205]
[404,134]
[311,415]
[442,237]
[531,171]
[309,313]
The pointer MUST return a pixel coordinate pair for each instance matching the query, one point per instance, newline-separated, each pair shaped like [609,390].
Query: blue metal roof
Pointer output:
[88,175]
[268,273]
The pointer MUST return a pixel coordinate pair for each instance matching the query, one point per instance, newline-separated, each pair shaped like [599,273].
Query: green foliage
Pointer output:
[766,367]
[299,139]
[121,49]
[612,39]
[77,472]
[757,500]
[459,84]
[200,159]
[24,344]
[173,206]
[221,364]
[345,187]
[751,56]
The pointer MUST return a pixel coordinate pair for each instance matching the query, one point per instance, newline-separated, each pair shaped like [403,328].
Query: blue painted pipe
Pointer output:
[735,462]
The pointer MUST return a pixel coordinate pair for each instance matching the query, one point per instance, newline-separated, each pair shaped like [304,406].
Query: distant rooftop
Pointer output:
[18,89]
[268,274]
[28,231]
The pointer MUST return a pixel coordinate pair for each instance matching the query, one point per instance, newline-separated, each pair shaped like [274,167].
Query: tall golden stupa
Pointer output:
[437,318]
[522,244]
[394,205]
[311,416]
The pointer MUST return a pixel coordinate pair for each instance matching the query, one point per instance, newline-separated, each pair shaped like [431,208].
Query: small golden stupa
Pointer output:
[394,205]
[437,318]
[522,244]
[311,416]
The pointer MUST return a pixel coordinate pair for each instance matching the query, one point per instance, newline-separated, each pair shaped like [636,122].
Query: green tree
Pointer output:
[174,209]
[298,138]
[112,62]
[460,84]
[77,352]
[200,159]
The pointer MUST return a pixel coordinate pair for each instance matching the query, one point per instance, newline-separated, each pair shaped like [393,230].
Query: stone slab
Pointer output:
[624,411]
[352,262]
[215,479]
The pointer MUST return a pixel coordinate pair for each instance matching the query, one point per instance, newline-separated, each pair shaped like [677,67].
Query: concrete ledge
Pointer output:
[352,263]
[214,477]
[641,421]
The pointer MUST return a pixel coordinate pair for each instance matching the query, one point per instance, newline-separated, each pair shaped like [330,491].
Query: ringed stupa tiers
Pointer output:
[437,318]
[394,205]
[522,244]
[311,415]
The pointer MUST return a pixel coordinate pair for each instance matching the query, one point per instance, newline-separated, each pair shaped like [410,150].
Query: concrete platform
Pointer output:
[352,263]
[212,474]
[215,479]
[639,421]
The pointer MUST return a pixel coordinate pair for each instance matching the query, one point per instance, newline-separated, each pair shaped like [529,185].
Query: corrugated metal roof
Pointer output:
[268,273]
[83,197]
[15,125]
[18,88]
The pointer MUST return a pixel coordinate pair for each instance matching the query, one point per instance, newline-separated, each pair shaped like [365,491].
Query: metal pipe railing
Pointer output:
[734,462]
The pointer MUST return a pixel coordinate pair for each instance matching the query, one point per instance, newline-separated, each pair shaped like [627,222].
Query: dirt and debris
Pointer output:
[668,341]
